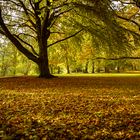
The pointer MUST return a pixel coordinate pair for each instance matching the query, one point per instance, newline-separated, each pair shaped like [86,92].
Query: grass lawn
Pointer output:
[78,107]
[127,74]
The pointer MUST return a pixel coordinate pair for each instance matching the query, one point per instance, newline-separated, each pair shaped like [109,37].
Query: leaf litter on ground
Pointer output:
[70,108]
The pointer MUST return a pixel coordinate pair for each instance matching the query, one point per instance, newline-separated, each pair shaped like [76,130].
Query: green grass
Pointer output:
[102,74]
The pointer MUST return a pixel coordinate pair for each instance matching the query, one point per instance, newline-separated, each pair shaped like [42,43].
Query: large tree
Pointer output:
[29,25]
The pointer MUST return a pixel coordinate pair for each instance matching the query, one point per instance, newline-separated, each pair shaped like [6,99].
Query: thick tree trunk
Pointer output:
[43,64]
[44,69]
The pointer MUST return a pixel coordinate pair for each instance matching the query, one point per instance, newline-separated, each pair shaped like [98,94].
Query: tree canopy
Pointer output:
[33,26]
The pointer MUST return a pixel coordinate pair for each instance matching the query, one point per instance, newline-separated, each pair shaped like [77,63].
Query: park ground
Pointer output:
[100,107]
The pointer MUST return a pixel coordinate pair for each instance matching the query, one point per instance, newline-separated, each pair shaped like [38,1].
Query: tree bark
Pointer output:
[68,69]
[106,69]
[93,69]
[86,67]
[58,70]
[118,69]
[44,68]
[43,65]
[67,63]
[135,67]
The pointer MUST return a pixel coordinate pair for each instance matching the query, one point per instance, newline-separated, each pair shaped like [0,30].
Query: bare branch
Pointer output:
[53,20]
[1,32]
[57,33]
[63,12]
[27,14]
[65,38]
[17,4]
[32,5]
[119,58]
[27,35]
[128,20]
[15,41]
[21,6]
[63,4]
[26,25]
[21,25]
[27,44]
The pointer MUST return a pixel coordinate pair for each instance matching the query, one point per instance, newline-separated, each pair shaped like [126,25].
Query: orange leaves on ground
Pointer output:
[70,108]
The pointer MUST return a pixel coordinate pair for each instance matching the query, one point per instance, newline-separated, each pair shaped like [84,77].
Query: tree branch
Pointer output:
[61,13]
[15,41]
[65,38]
[17,4]
[128,20]
[63,4]
[27,35]
[57,33]
[132,32]
[47,20]
[119,58]
[27,14]
[55,17]
[27,44]
[26,25]
[1,32]
[32,5]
